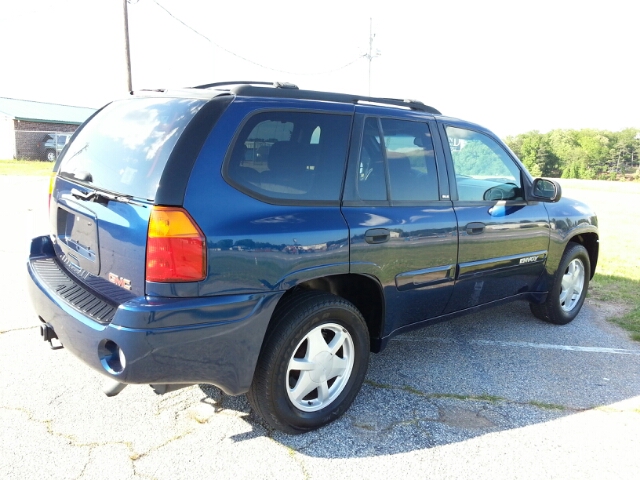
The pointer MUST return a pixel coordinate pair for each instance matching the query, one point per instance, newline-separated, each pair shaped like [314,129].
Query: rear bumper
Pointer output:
[213,340]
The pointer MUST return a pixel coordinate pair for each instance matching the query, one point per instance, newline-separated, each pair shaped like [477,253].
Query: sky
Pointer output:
[512,66]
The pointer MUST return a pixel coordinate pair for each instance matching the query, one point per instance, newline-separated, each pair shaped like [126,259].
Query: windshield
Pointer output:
[125,147]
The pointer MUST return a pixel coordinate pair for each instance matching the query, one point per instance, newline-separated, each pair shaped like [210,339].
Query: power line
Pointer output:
[249,60]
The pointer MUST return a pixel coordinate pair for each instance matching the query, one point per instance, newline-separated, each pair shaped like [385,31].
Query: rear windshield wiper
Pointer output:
[104,197]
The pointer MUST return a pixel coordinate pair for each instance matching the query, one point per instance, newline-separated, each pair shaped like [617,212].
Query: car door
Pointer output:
[401,230]
[503,238]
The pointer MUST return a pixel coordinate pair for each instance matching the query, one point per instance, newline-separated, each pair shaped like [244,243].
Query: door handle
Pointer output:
[377,235]
[475,228]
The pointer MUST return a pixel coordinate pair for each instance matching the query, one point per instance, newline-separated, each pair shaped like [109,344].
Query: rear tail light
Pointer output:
[176,247]
[52,181]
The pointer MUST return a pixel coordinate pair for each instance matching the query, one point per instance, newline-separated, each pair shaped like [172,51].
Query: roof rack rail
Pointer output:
[410,104]
[254,89]
[247,82]
[289,90]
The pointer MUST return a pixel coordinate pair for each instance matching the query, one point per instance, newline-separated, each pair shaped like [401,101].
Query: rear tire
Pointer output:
[569,289]
[312,363]
[50,155]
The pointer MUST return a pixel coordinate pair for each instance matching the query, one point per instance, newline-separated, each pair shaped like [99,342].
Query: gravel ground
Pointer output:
[491,395]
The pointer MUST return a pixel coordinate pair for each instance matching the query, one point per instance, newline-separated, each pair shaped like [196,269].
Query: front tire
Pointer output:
[569,288]
[312,364]
[50,155]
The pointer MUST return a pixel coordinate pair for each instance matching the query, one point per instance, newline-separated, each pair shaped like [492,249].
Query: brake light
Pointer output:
[176,247]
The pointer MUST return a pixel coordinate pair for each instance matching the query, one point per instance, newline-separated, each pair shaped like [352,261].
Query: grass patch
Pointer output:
[379,385]
[621,291]
[413,391]
[420,393]
[617,278]
[476,398]
[546,406]
[453,396]
[488,398]
[25,167]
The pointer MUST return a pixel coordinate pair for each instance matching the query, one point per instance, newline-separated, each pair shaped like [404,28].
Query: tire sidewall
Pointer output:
[284,410]
[558,315]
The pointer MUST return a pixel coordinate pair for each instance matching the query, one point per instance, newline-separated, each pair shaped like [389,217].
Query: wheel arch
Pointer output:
[590,242]
[364,292]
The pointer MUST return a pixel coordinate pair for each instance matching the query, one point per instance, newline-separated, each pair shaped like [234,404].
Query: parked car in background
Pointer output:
[52,145]
[265,239]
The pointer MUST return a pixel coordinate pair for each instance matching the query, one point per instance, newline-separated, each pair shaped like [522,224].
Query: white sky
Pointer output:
[512,66]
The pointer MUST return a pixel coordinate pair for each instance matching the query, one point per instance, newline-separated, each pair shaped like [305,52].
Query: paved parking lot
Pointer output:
[491,395]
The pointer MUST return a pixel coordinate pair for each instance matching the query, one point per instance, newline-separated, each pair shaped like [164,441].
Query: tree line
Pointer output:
[586,153]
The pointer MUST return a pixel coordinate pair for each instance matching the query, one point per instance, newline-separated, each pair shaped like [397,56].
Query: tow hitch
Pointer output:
[48,334]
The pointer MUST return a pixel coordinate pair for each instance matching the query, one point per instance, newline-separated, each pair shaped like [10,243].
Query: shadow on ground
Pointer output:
[490,372]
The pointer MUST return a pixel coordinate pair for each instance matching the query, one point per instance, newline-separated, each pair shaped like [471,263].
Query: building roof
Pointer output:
[30,111]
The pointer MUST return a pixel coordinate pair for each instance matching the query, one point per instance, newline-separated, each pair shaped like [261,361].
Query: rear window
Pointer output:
[290,157]
[125,147]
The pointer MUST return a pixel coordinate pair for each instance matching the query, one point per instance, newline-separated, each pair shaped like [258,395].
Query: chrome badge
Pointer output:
[119,281]
[528,259]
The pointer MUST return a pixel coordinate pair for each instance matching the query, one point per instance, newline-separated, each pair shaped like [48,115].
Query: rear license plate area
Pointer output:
[78,238]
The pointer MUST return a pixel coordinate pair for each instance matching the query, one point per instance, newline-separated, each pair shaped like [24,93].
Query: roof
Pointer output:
[30,111]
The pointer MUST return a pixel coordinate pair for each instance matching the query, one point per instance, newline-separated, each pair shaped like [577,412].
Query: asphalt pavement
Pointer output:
[495,395]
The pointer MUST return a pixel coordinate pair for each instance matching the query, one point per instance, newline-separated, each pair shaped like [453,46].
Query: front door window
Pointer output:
[484,171]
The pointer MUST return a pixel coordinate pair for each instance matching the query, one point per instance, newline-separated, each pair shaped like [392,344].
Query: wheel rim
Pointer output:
[320,367]
[572,285]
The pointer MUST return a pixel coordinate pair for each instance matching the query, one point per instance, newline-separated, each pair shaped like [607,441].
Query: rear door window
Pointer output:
[125,147]
[290,157]
[410,162]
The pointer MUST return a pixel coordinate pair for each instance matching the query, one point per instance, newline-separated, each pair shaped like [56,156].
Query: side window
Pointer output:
[290,156]
[371,170]
[484,171]
[407,148]
[315,136]
[410,160]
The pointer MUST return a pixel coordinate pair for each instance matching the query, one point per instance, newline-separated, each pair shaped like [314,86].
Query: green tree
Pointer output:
[586,153]
[475,158]
[534,150]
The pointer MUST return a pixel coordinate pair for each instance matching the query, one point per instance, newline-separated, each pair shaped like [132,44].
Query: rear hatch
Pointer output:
[105,189]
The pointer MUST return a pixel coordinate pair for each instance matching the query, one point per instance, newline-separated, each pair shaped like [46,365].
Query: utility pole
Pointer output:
[371,55]
[126,45]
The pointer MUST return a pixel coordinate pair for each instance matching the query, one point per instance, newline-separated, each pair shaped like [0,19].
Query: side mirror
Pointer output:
[546,190]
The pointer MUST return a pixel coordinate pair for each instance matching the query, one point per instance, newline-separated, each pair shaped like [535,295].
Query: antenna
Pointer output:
[371,55]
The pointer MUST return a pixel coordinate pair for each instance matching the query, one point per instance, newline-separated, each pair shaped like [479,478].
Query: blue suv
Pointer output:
[265,239]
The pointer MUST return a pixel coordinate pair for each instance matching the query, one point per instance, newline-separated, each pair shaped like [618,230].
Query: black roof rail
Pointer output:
[247,82]
[408,103]
[289,90]
[257,91]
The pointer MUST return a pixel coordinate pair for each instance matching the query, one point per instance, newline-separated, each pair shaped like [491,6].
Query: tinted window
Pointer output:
[125,147]
[410,161]
[484,171]
[291,156]
[371,169]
